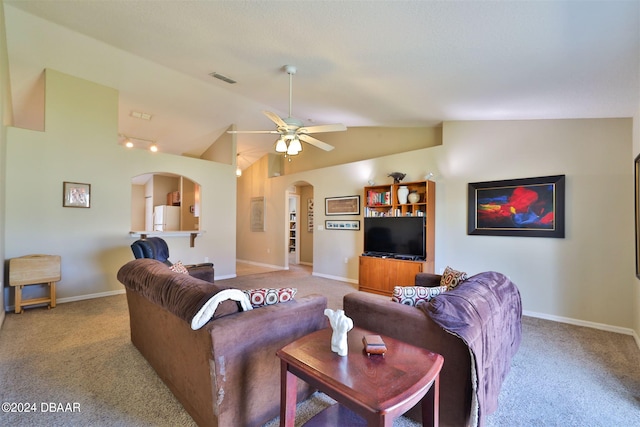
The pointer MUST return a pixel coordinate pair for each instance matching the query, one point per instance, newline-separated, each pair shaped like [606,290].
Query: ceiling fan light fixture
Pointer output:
[292,130]
[281,145]
[295,145]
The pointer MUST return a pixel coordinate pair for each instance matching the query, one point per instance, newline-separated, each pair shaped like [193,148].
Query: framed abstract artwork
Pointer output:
[527,207]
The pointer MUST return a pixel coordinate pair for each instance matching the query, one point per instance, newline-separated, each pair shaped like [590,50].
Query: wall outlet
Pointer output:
[268,250]
[346,260]
[206,259]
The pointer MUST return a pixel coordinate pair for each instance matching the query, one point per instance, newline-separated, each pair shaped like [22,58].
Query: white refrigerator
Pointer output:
[166,218]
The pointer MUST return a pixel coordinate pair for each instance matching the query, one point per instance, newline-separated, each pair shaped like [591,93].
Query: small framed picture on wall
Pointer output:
[76,195]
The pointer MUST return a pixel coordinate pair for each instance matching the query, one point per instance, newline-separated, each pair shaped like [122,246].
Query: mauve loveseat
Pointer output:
[226,373]
[475,326]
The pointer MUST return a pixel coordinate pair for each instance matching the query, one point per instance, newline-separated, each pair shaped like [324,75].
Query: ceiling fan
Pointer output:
[292,130]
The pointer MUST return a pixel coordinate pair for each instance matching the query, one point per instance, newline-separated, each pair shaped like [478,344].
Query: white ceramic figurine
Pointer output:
[341,324]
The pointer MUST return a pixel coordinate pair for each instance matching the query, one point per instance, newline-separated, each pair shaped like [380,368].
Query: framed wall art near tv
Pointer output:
[347,205]
[526,207]
[342,225]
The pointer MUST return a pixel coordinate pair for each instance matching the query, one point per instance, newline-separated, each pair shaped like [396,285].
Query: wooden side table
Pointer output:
[373,389]
[34,270]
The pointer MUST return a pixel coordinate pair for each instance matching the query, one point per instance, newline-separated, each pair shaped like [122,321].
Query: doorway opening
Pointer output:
[299,225]
[294,235]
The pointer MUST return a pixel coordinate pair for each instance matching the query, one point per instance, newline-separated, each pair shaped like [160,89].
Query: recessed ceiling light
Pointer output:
[139,115]
[222,77]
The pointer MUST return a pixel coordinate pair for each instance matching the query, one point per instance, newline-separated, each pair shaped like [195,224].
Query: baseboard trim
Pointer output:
[340,279]
[91,296]
[594,325]
[227,276]
[260,264]
[80,297]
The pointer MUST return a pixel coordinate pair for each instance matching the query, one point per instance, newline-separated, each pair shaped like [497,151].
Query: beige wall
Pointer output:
[361,143]
[636,282]
[6,119]
[256,246]
[306,236]
[561,279]
[138,208]
[188,219]
[80,145]
[558,278]
[222,150]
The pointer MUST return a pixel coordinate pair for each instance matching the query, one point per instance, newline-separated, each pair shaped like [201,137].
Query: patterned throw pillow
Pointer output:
[269,296]
[178,267]
[452,278]
[415,295]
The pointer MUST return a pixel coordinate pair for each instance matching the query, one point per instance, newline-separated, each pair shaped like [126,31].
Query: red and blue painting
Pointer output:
[528,207]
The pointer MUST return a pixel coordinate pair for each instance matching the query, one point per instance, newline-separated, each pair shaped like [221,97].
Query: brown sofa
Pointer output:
[445,326]
[226,373]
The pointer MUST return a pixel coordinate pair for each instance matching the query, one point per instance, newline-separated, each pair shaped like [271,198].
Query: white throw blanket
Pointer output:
[209,308]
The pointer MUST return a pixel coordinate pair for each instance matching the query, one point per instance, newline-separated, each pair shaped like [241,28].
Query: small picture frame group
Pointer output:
[342,225]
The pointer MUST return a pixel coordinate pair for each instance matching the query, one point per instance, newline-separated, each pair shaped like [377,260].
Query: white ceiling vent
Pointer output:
[222,77]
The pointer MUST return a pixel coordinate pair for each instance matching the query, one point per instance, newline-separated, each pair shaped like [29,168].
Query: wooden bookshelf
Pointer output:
[380,275]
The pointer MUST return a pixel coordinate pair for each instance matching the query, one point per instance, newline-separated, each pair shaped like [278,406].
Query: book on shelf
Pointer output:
[372,212]
[378,198]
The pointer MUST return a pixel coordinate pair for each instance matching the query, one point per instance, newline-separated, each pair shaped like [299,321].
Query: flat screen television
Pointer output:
[398,237]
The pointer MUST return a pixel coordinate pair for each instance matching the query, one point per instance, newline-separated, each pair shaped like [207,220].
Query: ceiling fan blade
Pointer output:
[316,142]
[275,118]
[252,131]
[336,127]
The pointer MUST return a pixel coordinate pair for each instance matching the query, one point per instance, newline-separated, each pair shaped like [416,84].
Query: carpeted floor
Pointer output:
[75,365]
[245,269]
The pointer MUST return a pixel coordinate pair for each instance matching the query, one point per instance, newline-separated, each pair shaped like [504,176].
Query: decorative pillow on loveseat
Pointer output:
[268,296]
[452,278]
[415,295]
[178,267]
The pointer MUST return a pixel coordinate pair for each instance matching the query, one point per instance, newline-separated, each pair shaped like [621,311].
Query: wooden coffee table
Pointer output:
[377,388]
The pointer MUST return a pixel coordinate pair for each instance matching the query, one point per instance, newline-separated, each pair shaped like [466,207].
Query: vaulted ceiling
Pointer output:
[361,63]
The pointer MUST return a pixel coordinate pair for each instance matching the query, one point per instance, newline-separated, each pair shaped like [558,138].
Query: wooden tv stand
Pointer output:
[380,275]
